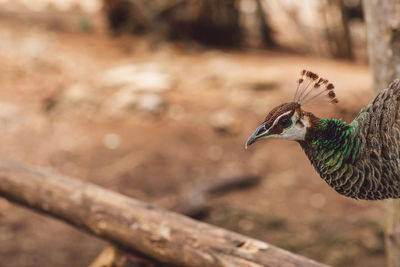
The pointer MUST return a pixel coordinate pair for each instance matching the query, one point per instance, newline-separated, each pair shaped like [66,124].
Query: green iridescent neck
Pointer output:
[330,144]
[329,133]
[333,147]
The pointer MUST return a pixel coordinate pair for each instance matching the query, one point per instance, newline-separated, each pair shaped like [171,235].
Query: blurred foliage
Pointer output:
[244,23]
[211,22]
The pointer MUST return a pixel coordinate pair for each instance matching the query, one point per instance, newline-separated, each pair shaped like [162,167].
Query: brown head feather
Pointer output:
[279,110]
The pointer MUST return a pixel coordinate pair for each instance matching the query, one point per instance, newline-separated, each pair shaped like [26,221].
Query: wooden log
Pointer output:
[196,204]
[139,227]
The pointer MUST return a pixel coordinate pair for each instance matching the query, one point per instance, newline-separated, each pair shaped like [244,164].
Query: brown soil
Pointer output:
[161,155]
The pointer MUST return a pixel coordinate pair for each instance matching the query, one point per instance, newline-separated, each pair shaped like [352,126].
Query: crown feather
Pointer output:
[311,86]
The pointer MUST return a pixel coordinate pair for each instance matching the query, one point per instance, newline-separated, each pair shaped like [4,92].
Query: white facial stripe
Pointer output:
[277,119]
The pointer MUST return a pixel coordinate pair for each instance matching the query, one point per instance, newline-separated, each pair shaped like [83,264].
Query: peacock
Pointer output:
[360,159]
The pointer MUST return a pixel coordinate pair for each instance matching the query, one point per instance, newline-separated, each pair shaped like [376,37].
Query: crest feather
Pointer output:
[311,86]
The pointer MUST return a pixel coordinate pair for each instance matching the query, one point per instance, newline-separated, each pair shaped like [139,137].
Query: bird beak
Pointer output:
[258,134]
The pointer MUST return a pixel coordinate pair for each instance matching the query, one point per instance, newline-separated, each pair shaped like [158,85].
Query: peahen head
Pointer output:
[289,121]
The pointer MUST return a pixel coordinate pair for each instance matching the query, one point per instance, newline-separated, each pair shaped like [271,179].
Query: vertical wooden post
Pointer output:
[383,33]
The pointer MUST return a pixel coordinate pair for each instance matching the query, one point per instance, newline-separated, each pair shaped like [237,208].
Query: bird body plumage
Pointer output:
[360,159]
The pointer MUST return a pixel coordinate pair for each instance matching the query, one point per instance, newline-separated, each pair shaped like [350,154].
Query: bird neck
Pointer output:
[328,134]
[330,144]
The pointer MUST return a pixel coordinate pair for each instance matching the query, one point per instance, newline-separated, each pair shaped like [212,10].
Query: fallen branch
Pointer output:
[139,227]
[196,203]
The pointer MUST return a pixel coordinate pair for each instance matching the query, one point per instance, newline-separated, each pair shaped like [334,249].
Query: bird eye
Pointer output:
[285,122]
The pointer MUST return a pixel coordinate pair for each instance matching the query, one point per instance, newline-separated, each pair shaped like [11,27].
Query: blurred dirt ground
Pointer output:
[153,121]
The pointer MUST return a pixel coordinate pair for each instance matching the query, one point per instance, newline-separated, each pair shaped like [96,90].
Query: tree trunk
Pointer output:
[265,28]
[383,32]
[338,30]
[136,226]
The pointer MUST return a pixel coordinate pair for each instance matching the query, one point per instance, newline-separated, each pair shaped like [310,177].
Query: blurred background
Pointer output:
[156,98]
